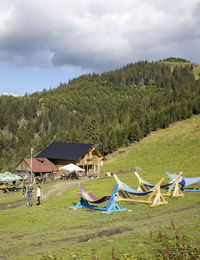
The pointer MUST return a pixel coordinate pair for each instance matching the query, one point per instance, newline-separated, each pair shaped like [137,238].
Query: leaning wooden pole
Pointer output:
[174,190]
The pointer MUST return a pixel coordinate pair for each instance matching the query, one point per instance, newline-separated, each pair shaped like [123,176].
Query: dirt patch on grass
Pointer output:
[12,205]
[107,233]
[90,237]
[197,204]
[59,188]
[18,237]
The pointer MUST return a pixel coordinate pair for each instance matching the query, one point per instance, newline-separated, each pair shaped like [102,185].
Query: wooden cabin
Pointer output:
[39,168]
[86,156]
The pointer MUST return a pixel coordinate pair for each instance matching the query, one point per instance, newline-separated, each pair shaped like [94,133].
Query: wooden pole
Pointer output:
[177,192]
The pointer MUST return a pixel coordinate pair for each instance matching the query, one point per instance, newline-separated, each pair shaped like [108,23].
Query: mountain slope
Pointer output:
[110,110]
[173,149]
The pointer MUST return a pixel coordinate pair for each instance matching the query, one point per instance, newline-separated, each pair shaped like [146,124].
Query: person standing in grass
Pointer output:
[39,194]
[24,191]
[29,196]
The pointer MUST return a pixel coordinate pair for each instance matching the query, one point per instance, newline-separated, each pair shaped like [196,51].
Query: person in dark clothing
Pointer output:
[29,196]
[182,183]
[24,192]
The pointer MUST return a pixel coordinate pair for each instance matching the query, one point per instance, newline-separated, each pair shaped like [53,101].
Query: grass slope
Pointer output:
[55,232]
[196,66]
[173,149]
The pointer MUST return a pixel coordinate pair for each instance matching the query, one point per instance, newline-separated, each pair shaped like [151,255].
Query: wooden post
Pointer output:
[176,192]
[158,200]
[141,186]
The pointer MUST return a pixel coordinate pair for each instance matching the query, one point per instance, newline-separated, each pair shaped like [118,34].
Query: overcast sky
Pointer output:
[45,42]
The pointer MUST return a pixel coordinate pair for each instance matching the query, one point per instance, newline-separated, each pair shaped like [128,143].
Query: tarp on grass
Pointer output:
[9,177]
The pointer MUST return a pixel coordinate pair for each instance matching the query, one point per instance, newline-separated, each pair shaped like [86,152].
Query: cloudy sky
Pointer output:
[45,42]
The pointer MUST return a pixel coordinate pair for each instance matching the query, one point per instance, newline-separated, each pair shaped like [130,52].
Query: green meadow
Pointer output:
[171,231]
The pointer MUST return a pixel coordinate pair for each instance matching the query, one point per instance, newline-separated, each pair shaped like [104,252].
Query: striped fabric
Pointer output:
[88,196]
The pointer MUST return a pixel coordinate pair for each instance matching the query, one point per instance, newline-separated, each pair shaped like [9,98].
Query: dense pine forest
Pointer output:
[110,110]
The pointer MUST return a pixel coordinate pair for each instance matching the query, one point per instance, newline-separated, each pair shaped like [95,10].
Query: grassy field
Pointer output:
[53,231]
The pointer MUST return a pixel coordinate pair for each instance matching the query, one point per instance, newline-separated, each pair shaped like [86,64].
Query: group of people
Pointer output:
[28,194]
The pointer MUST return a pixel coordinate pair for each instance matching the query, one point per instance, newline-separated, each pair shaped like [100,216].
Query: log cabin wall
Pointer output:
[23,166]
[91,167]
[91,163]
[23,170]
[59,163]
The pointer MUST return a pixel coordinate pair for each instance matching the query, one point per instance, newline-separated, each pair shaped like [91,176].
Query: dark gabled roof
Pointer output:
[65,151]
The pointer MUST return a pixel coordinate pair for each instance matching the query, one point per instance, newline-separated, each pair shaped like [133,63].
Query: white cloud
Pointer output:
[9,94]
[97,35]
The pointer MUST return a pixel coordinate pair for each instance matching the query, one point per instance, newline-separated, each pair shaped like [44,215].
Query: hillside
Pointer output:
[173,149]
[170,231]
[174,62]
[111,110]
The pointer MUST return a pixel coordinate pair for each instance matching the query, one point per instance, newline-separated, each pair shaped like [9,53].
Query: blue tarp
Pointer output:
[135,192]
[188,181]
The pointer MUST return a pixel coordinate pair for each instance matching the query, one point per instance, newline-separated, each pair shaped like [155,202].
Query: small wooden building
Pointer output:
[40,168]
[86,156]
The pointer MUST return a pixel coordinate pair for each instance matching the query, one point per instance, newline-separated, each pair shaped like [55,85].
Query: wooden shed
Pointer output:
[86,156]
[40,168]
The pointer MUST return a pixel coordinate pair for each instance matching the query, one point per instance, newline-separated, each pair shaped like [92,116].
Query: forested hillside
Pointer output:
[111,110]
